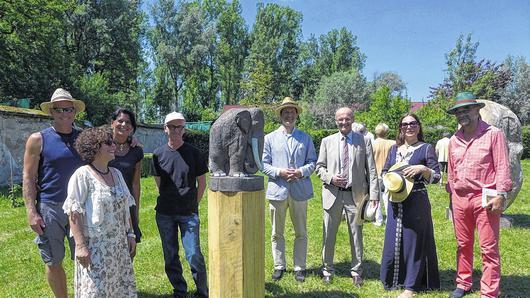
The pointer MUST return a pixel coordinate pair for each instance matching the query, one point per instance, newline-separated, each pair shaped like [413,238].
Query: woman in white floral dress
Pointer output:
[98,209]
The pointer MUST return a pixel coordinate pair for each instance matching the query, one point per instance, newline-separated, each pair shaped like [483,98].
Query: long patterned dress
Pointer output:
[106,210]
[409,254]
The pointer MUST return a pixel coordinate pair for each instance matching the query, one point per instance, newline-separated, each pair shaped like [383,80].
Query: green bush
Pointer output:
[526,142]
[146,165]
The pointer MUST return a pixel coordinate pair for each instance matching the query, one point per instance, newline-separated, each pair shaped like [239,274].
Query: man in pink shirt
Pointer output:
[478,159]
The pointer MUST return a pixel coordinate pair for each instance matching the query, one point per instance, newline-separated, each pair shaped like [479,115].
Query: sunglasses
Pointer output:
[173,127]
[64,110]
[109,142]
[409,124]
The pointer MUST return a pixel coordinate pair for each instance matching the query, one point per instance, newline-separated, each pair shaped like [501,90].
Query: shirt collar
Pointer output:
[282,129]
[481,128]
[348,136]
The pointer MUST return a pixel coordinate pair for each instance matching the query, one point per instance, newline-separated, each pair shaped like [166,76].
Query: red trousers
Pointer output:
[468,214]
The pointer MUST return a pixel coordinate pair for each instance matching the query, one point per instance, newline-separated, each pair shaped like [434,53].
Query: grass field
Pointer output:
[21,270]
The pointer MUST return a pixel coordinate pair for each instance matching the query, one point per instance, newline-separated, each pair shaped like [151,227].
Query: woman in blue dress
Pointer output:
[409,258]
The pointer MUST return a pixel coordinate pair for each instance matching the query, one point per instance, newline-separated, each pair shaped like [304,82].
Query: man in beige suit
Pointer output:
[346,167]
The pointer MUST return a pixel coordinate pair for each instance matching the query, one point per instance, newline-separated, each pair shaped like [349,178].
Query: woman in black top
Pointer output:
[128,159]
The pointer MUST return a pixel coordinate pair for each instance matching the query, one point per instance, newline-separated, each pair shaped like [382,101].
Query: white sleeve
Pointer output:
[77,193]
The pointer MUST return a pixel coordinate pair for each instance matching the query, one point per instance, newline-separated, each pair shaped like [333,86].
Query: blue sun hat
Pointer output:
[464,99]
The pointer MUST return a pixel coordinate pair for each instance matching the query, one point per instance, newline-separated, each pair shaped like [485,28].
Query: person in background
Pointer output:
[360,128]
[381,146]
[98,205]
[180,175]
[128,159]
[49,160]
[289,158]
[409,258]
[478,160]
[442,151]
[347,169]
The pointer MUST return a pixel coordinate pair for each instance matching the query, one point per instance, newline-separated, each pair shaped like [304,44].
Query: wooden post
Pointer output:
[236,244]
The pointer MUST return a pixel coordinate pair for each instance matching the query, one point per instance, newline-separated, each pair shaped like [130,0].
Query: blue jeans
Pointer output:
[168,226]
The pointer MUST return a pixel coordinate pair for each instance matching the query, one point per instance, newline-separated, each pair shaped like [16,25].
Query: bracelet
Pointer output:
[131,235]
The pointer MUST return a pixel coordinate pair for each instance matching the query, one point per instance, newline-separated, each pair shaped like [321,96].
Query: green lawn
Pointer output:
[21,270]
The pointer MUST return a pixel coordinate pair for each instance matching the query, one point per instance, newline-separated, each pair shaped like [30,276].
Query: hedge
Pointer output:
[200,139]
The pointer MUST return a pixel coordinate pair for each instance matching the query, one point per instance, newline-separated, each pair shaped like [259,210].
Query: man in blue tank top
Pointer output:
[49,161]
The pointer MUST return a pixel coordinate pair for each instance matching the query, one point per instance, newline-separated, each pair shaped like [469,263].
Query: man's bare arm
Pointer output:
[29,180]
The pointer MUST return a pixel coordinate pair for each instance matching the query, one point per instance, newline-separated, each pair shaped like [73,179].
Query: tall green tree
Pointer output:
[344,88]
[181,42]
[384,107]
[516,95]
[275,37]
[334,51]
[33,61]
[232,50]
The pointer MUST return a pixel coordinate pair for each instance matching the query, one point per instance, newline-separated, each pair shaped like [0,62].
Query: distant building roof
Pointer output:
[416,105]
[229,107]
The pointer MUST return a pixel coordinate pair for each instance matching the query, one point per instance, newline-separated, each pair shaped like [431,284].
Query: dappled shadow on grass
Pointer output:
[279,292]
[150,295]
[511,285]
[519,220]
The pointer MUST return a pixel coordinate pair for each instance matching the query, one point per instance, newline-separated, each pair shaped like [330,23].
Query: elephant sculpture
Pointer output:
[236,143]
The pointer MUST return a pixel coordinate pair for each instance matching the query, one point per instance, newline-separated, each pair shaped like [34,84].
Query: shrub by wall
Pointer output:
[526,142]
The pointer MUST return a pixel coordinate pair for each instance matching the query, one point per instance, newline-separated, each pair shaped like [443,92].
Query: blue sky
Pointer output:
[412,37]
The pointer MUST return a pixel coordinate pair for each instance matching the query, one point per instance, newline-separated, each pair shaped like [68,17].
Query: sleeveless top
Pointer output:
[58,161]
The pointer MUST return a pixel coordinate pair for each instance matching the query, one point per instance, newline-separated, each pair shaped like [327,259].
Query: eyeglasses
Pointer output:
[64,110]
[409,124]
[173,127]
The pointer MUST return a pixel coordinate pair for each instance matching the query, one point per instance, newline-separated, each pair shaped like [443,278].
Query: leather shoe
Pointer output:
[326,279]
[458,293]
[357,281]
[299,275]
[278,274]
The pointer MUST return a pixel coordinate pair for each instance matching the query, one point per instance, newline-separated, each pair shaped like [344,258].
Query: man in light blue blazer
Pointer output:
[289,158]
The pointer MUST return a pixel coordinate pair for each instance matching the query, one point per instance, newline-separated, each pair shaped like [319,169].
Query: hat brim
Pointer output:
[359,218]
[288,105]
[78,105]
[452,110]
[398,197]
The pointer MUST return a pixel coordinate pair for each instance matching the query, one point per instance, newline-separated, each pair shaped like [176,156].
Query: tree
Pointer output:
[484,78]
[33,61]
[231,51]
[332,52]
[181,43]
[275,38]
[344,88]
[390,79]
[516,95]
[384,107]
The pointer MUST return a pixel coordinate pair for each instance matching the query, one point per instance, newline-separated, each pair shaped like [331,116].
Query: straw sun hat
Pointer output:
[62,95]
[396,184]
[288,103]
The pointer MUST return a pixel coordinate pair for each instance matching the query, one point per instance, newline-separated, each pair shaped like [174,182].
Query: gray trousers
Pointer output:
[332,219]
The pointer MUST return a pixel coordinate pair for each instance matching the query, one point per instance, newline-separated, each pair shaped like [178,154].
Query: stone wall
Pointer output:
[17,124]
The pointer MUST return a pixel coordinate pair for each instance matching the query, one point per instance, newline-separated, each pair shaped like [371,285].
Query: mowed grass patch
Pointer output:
[22,271]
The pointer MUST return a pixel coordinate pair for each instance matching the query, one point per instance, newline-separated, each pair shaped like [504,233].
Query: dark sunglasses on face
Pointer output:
[409,124]
[64,110]
[173,127]
[109,142]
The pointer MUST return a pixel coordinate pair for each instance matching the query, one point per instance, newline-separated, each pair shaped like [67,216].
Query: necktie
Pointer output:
[345,158]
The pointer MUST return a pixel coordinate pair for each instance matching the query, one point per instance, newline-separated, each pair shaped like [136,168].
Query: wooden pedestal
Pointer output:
[236,244]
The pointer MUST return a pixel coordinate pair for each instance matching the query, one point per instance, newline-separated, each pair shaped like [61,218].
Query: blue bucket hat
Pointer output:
[464,99]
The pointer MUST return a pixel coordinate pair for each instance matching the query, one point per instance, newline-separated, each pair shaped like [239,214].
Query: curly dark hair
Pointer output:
[400,138]
[89,142]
